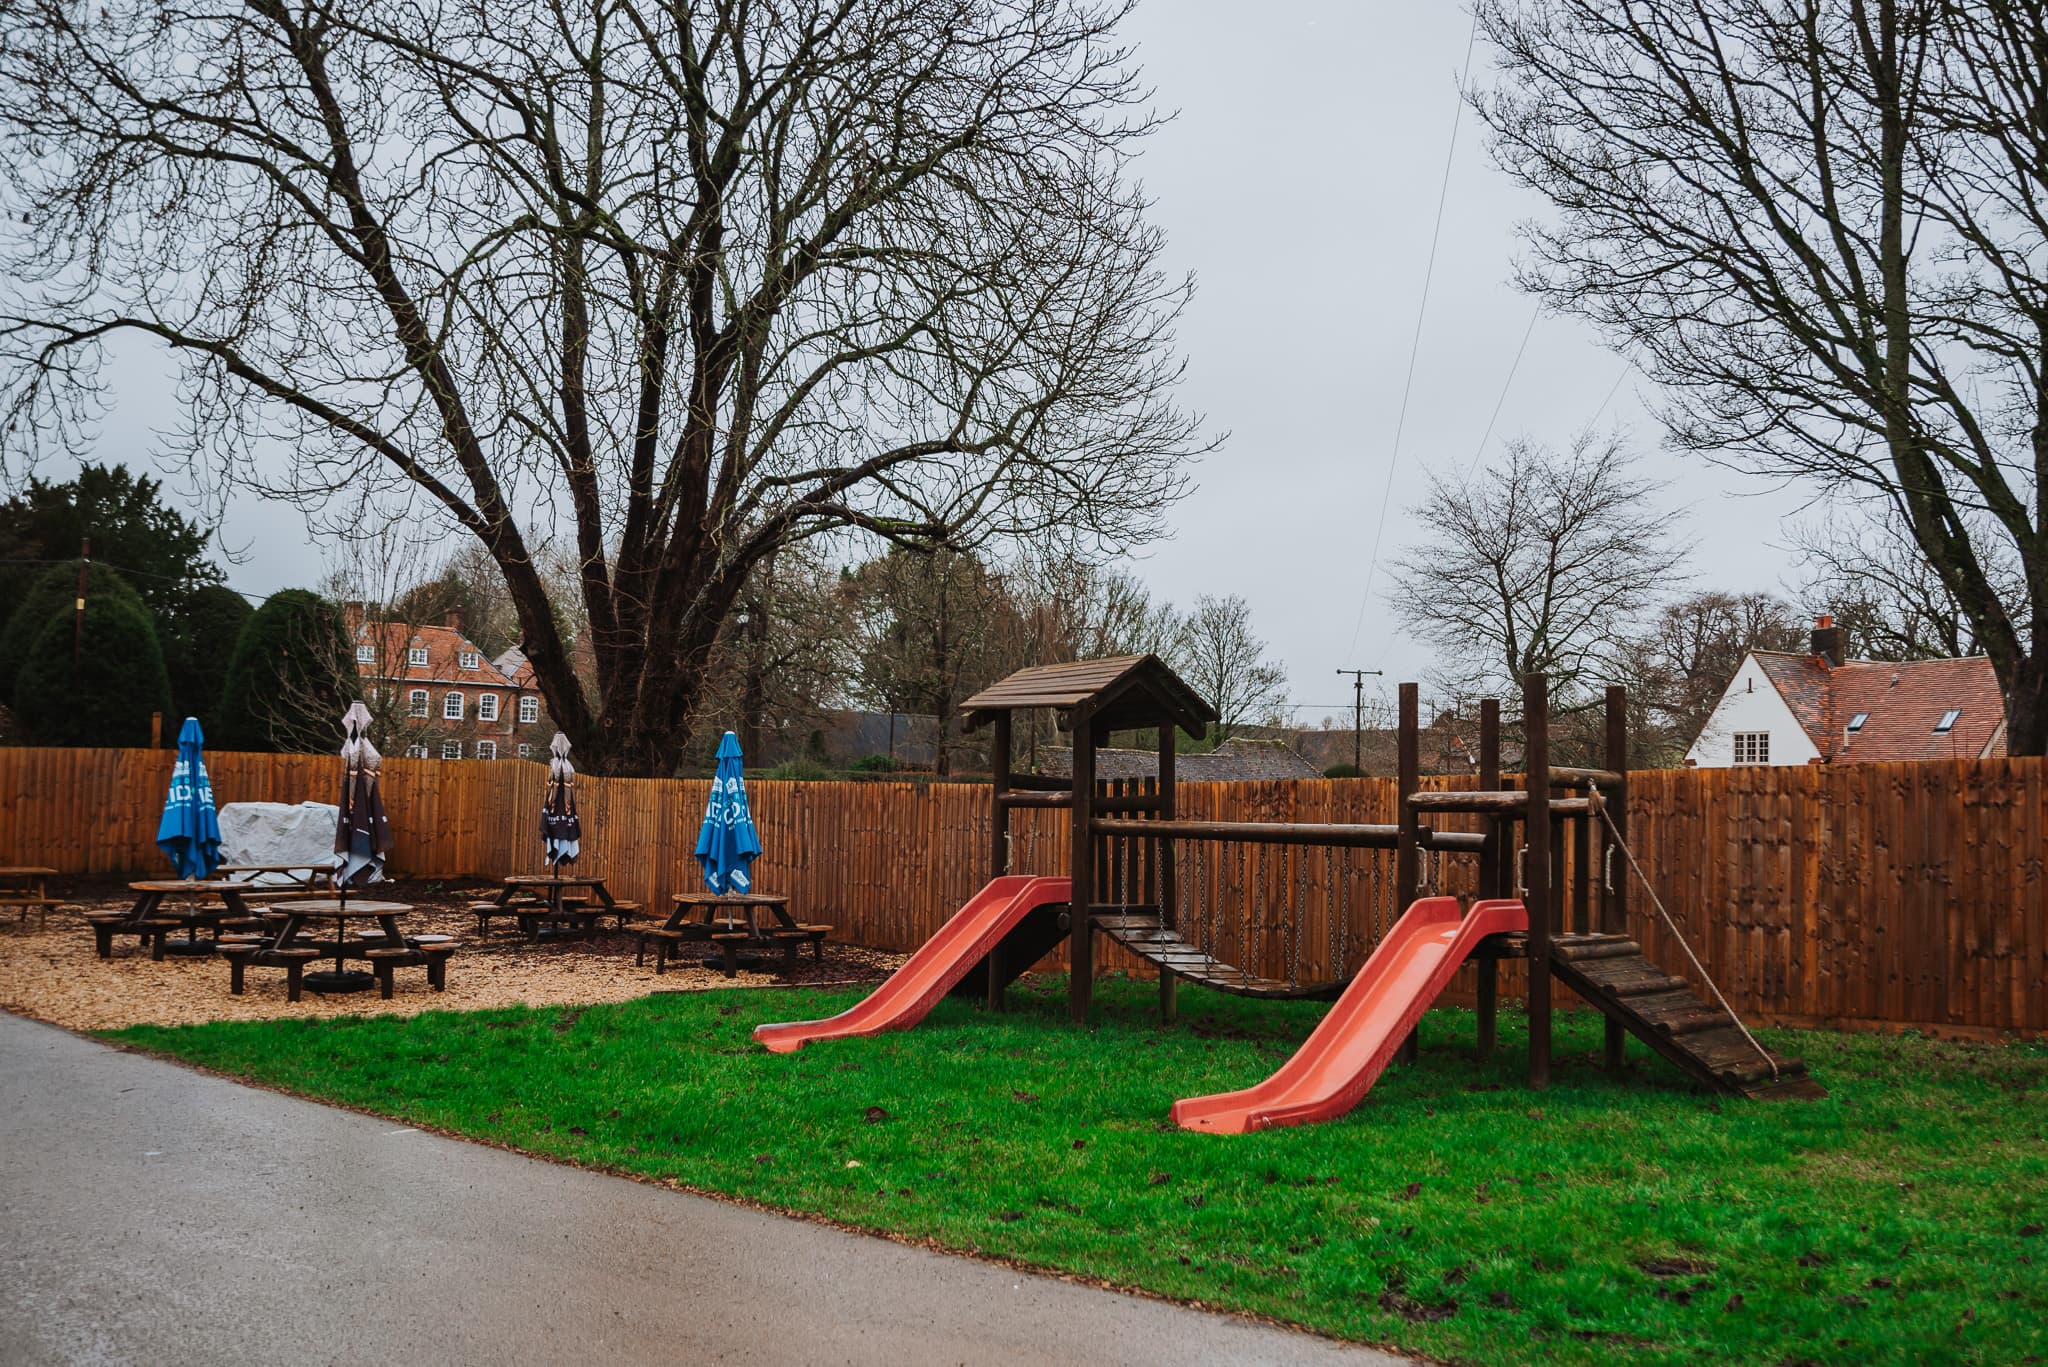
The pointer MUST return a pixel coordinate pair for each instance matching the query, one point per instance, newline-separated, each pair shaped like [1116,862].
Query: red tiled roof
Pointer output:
[1903,703]
[1906,701]
[1803,682]
[445,647]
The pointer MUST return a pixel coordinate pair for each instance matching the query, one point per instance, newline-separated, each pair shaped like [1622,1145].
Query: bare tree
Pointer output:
[692,281]
[1542,564]
[1677,670]
[1888,601]
[1818,224]
[934,628]
[1215,649]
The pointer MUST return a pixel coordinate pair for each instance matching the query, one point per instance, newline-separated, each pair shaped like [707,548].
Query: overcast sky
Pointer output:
[1299,184]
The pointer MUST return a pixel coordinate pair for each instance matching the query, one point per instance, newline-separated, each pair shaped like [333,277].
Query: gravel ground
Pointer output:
[50,972]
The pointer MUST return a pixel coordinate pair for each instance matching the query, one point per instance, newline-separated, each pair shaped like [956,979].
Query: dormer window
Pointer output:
[1856,722]
[467,659]
[416,656]
[1948,721]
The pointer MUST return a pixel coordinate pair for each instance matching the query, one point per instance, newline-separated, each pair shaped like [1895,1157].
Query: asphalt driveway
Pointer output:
[153,1215]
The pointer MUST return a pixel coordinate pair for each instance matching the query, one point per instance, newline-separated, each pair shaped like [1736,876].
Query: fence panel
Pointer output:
[1911,894]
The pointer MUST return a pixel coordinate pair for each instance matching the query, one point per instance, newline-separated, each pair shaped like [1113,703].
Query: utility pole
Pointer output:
[78,605]
[1358,713]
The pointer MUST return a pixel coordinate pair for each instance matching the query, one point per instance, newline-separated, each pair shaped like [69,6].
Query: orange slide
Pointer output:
[1339,1062]
[929,974]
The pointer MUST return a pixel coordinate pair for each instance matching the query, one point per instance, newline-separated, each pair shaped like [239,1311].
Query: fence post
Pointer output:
[1407,871]
[1536,879]
[1169,986]
[1486,990]
[1614,899]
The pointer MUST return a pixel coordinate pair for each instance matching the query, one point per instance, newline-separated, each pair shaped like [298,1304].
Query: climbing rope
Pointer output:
[1599,804]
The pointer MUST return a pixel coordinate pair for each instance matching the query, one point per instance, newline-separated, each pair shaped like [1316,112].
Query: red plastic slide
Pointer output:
[929,974]
[1338,1063]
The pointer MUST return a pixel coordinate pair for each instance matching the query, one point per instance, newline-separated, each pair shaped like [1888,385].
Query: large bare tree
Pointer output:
[676,282]
[1820,226]
[1544,562]
[1215,648]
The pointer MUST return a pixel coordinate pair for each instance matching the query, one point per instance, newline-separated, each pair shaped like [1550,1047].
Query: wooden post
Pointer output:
[999,840]
[1536,870]
[156,730]
[1486,991]
[1407,861]
[1614,900]
[1169,902]
[1081,870]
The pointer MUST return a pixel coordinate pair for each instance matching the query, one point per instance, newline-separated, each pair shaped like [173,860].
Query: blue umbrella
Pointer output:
[727,844]
[190,830]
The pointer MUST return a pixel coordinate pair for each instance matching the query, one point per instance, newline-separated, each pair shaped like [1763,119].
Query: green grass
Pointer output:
[1453,1213]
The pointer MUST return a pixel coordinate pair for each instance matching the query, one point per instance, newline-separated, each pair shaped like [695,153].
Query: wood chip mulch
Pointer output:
[50,972]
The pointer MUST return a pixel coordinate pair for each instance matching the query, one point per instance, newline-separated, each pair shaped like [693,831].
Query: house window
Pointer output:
[1752,747]
[416,702]
[366,655]
[467,659]
[487,749]
[486,707]
[451,749]
[415,752]
[451,706]
[529,711]
[416,656]
[1856,722]
[1948,721]
[526,752]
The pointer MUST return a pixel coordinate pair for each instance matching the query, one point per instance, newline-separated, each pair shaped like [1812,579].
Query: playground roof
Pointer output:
[1121,692]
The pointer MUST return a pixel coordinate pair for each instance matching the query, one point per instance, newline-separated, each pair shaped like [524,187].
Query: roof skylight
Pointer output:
[1948,721]
[1856,722]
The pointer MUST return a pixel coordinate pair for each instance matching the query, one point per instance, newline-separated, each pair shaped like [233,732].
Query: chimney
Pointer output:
[353,612]
[452,620]
[1827,639]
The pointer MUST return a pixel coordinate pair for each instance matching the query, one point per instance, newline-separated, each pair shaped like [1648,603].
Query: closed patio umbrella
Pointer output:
[190,830]
[727,843]
[362,837]
[561,830]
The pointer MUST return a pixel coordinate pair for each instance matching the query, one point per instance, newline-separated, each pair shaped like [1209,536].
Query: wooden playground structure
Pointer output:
[1148,899]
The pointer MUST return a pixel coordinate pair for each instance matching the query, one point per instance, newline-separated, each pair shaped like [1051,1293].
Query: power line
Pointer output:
[1415,341]
[1498,403]
[146,574]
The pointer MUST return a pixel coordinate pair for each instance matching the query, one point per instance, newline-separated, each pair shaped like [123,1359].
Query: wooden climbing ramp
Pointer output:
[1143,935]
[1699,1037]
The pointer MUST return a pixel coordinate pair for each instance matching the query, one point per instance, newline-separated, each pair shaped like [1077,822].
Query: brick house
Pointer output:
[1818,708]
[433,695]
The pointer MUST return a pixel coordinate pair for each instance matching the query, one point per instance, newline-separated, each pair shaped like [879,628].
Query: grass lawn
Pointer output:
[1454,1213]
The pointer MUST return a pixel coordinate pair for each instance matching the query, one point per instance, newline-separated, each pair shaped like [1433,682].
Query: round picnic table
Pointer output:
[340,978]
[554,887]
[151,904]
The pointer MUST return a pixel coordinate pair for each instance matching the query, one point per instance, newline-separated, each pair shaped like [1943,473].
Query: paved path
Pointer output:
[151,1214]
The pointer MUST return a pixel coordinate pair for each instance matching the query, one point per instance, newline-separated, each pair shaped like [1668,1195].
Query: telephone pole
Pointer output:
[1358,713]
[78,604]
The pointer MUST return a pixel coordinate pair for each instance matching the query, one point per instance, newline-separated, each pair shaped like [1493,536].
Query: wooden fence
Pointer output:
[1867,895]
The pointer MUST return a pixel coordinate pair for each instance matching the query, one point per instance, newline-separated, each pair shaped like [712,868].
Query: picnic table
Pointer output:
[27,886]
[553,906]
[306,876]
[732,924]
[151,920]
[343,947]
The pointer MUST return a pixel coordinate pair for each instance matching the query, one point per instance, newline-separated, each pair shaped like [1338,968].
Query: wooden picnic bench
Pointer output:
[213,904]
[28,887]
[546,906]
[730,923]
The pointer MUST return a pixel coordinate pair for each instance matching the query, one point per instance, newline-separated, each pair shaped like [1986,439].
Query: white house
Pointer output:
[1817,708]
